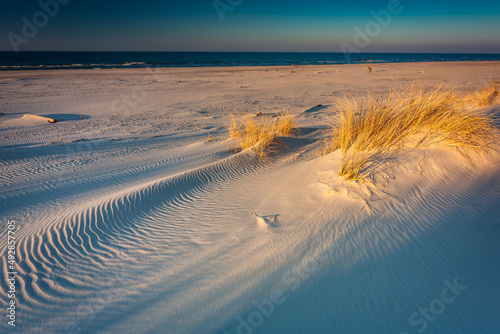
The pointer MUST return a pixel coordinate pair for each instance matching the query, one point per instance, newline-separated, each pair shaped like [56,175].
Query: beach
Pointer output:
[133,211]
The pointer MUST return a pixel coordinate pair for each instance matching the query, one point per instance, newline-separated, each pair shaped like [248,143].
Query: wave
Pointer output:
[82,60]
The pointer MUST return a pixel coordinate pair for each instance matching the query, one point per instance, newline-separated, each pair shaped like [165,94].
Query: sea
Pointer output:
[38,60]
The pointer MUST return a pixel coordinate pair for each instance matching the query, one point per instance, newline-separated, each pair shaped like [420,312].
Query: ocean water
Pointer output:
[82,60]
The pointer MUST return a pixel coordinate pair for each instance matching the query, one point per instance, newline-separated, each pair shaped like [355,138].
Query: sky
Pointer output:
[454,26]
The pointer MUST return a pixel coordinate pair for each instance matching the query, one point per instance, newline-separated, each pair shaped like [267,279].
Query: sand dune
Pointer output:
[154,232]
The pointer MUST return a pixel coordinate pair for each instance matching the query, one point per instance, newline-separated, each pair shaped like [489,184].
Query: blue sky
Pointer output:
[254,25]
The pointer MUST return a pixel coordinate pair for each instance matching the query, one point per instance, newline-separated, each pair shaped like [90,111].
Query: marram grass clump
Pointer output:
[262,135]
[409,116]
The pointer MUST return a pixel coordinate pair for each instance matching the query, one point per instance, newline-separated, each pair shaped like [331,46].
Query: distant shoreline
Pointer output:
[207,69]
[47,60]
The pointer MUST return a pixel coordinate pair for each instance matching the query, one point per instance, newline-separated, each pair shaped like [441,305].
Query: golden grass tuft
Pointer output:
[409,116]
[369,66]
[262,136]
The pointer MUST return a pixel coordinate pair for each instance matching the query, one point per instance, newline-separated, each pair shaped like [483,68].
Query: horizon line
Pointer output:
[178,51]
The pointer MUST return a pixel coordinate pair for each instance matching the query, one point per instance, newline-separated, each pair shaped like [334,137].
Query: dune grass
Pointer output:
[369,66]
[262,135]
[409,116]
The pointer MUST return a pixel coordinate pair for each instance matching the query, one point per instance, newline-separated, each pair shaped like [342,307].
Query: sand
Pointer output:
[128,220]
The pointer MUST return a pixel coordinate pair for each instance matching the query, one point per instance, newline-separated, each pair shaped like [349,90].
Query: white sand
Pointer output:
[128,221]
